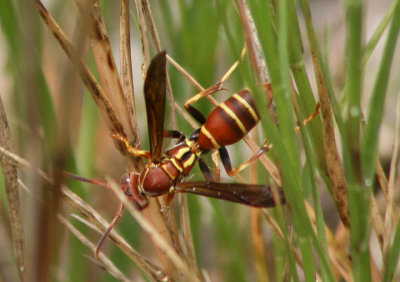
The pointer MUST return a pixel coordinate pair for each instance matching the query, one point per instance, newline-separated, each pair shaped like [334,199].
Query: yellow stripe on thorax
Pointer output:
[181,152]
[189,161]
[170,174]
[141,180]
[176,164]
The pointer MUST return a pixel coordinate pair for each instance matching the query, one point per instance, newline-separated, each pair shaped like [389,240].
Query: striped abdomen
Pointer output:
[229,122]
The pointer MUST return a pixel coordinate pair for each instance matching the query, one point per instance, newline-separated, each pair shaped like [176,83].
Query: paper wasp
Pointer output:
[227,124]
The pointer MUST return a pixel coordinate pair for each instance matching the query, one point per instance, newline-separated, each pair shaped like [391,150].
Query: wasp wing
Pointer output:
[154,94]
[247,194]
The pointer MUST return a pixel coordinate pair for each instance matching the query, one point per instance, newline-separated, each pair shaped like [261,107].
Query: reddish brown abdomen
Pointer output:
[229,122]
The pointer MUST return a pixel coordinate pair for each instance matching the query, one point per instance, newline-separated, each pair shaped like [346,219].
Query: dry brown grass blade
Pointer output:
[190,78]
[126,63]
[12,193]
[252,42]
[256,53]
[334,164]
[390,217]
[85,209]
[107,111]
[154,215]
[156,39]
[149,17]
[258,246]
[381,177]
[383,183]
[107,263]
[257,240]
[81,206]
[340,259]
[186,274]
[187,234]
[377,221]
[143,31]
[101,48]
[376,218]
[281,236]
[333,161]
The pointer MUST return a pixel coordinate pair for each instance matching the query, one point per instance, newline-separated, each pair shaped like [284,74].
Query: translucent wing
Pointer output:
[154,93]
[247,194]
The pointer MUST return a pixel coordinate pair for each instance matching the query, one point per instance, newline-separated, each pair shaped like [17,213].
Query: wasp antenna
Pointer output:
[107,232]
[87,180]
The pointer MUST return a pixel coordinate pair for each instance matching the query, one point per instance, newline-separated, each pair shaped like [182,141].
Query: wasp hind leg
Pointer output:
[206,92]
[226,161]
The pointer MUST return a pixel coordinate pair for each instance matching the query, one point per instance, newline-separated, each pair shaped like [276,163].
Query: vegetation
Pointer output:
[339,172]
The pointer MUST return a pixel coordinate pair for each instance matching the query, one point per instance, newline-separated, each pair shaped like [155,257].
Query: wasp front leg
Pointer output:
[133,150]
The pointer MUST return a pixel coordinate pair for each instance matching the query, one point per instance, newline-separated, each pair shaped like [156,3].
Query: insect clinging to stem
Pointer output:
[165,172]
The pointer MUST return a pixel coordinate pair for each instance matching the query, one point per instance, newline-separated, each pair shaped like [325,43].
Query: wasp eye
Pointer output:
[125,179]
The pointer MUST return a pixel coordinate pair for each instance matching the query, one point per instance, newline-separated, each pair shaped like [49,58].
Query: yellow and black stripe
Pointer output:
[229,122]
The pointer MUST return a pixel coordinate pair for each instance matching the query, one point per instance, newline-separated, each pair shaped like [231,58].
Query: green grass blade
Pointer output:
[353,78]
[373,41]
[375,113]
[393,259]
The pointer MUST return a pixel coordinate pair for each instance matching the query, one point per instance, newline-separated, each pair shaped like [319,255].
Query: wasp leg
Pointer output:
[205,170]
[108,230]
[215,88]
[133,150]
[311,117]
[226,161]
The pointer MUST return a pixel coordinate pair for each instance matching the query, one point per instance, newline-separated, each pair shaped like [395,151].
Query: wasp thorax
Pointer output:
[155,181]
